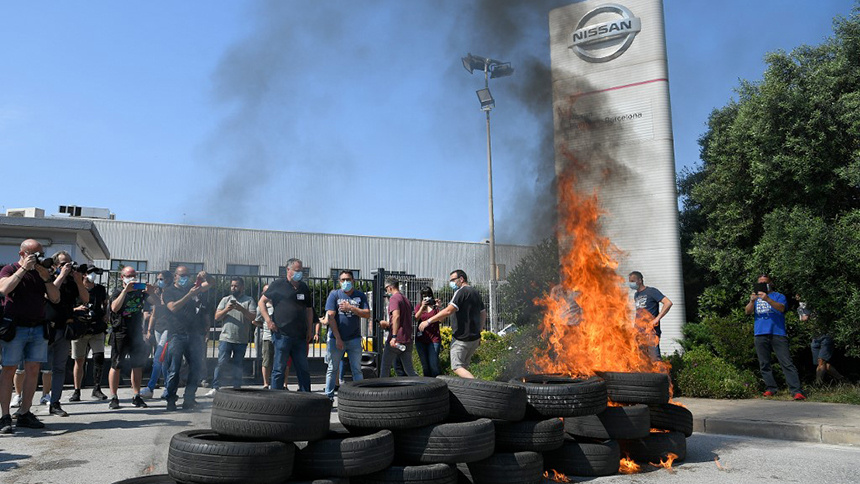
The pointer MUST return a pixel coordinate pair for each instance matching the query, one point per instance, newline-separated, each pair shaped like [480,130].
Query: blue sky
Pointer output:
[326,116]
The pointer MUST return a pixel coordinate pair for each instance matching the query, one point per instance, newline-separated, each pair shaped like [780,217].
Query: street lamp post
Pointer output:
[492,69]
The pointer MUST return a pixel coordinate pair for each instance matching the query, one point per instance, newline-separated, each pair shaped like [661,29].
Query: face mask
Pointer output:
[452,284]
[160,283]
[346,286]
[297,276]
[127,280]
[183,280]
[91,277]
[633,285]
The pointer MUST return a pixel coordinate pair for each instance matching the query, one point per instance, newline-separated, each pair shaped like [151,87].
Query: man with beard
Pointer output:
[236,311]
[127,307]
[95,316]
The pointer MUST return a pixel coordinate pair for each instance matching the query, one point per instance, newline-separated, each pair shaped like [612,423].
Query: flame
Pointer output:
[588,323]
[666,464]
[659,431]
[628,466]
[676,403]
[556,476]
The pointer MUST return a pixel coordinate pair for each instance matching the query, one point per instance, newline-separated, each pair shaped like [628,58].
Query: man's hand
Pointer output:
[393,343]
[761,295]
[316,338]
[339,343]
[754,296]
[384,324]
[423,326]
[44,273]
[272,327]
[77,276]
[344,307]
[29,262]
[65,269]
[80,308]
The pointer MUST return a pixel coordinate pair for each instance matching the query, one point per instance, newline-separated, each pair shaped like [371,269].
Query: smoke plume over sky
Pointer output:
[340,117]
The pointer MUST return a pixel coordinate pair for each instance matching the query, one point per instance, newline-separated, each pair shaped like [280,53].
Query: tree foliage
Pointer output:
[778,190]
[533,277]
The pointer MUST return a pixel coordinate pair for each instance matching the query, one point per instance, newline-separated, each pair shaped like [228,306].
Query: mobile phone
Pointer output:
[138,286]
[762,287]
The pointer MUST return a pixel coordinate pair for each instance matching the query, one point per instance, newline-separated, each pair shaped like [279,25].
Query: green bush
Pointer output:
[699,373]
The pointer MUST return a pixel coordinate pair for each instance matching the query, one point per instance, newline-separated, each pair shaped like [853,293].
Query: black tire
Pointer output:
[153,479]
[486,399]
[344,455]
[655,447]
[529,435]
[586,459]
[630,422]
[333,480]
[508,468]
[671,417]
[205,457]
[647,388]
[392,403]
[426,474]
[561,396]
[446,443]
[255,414]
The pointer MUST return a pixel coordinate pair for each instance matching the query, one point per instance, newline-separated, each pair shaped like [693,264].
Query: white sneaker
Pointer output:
[46,399]
[16,400]
[211,393]
[145,392]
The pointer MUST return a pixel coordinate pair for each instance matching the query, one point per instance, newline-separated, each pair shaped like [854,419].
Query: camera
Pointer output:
[46,262]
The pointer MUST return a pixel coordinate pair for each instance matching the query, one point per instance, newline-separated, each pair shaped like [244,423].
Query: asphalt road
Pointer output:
[96,445]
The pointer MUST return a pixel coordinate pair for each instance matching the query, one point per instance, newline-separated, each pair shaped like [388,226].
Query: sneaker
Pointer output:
[76,395]
[46,399]
[768,394]
[6,425]
[16,400]
[211,393]
[97,393]
[28,420]
[189,404]
[114,403]
[16,414]
[164,394]
[146,392]
[57,410]
[799,396]
[265,387]
[138,402]
[171,405]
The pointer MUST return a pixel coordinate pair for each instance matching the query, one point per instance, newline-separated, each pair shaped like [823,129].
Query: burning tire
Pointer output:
[671,417]
[584,458]
[254,414]
[343,455]
[446,443]
[529,435]
[630,422]
[203,456]
[656,447]
[561,396]
[514,468]
[486,399]
[426,474]
[392,403]
[647,388]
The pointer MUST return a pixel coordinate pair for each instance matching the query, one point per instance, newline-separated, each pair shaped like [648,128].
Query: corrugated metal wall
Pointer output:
[160,244]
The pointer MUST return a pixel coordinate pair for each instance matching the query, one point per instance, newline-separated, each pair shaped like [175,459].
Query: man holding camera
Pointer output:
[236,311]
[127,306]
[770,336]
[344,309]
[94,316]
[25,285]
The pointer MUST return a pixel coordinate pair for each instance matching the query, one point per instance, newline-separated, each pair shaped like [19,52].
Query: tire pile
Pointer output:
[432,430]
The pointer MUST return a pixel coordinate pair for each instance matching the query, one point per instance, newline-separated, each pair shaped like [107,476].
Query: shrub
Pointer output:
[699,373]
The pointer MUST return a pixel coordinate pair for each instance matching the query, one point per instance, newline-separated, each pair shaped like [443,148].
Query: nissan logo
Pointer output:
[604,41]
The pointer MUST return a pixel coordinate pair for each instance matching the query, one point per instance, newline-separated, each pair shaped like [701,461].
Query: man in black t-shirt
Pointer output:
[95,316]
[471,315]
[127,306]
[293,311]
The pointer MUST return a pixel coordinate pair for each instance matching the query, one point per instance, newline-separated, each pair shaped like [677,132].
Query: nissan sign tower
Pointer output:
[612,118]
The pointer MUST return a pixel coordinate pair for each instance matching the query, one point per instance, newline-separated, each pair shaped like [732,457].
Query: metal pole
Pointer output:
[493,272]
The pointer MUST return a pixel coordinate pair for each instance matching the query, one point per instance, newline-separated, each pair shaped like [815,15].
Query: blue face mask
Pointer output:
[297,276]
[452,285]
[183,280]
[346,286]
[160,283]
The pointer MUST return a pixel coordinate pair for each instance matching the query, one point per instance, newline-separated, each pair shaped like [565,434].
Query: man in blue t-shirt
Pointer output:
[647,301]
[344,309]
[769,309]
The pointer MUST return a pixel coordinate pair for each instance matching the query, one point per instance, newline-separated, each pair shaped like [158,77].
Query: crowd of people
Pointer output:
[53,309]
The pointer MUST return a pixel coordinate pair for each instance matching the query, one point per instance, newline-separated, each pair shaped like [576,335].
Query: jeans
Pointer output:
[428,353]
[389,354]
[159,368]
[189,346]
[231,356]
[286,347]
[335,357]
[58,355]
[764,345]
[29,344]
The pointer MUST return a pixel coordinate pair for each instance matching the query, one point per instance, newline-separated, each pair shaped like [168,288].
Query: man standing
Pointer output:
[471,315]
[292,327]
[237,311]
[770,336]
[25,285]
[185,334]
[399,325]
[647,302]
[95,316]
[127,307]
[344,309]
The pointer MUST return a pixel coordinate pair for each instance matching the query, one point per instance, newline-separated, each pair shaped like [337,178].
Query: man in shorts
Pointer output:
[266,349]
[471,316]
[127,306]
[95,315]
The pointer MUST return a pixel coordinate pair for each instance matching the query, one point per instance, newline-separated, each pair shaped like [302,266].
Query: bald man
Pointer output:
[26,285]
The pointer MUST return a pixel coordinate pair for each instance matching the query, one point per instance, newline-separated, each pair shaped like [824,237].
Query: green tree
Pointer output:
[532,278]
[778,190]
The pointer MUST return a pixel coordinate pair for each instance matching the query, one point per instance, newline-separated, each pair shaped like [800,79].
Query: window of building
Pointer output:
[193,267]
[242,270]
[118,264]
[335,273]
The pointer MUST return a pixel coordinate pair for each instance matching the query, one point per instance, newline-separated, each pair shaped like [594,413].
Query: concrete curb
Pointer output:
[820,433]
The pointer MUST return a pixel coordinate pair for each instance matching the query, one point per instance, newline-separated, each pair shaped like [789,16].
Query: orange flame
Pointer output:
[666,464]
[659,431]
[556,476]
[588,323]
[628,466]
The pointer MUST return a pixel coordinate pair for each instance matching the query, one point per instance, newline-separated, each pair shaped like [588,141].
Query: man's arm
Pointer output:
[774,304]
[331,318]
[667,305]
[223,308]
[310,336]
[175,306]
[263,311]
[83,294]
[441,315]
[395,326]
[750,307]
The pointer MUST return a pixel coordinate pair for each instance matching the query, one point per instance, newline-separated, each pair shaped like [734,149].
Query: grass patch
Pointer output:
[828,393]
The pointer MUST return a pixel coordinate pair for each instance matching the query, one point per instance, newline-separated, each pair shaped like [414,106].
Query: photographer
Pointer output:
[94,318]
[428,342]
[127,307]
[236,312]
[25,286]
[770,336]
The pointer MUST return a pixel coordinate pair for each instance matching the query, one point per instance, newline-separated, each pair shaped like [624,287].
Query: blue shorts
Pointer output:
[29,345]
[822,348]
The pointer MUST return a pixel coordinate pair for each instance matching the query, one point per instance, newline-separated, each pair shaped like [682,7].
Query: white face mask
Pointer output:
[127,280]
[91,277]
